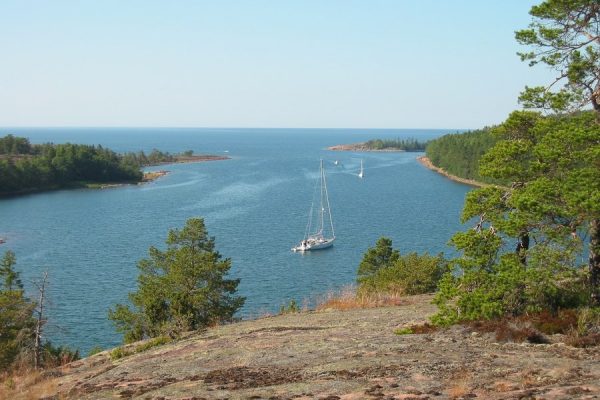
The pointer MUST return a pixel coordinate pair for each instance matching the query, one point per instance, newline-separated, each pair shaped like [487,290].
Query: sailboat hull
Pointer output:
[311,245]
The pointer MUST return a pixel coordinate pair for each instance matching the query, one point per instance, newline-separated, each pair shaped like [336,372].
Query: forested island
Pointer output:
[382,145]
[26,167]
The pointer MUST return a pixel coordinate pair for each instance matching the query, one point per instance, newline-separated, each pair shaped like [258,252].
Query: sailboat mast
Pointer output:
[327,202]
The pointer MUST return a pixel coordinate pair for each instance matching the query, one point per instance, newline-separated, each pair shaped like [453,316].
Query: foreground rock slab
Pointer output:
[338,355]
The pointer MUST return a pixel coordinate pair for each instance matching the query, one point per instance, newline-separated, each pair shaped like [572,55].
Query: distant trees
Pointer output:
[459,153]
[181,289]
[26,167]
[396,144]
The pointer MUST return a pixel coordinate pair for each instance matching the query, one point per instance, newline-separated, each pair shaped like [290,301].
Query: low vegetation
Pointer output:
[384,271]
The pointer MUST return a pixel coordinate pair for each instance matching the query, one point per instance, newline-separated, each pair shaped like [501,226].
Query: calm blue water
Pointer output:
[255,204]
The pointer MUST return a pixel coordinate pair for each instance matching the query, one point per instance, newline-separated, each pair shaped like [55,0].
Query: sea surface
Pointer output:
[255,204]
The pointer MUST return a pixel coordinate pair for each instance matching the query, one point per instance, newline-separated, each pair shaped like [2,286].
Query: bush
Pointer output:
[408,275]
[158,341]
[292,307]
[119,352]
[95,350]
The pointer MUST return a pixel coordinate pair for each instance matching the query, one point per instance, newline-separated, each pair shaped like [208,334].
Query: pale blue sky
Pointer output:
[277,63]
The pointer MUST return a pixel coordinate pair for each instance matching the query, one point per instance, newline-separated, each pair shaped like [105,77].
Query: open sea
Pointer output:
[255,204]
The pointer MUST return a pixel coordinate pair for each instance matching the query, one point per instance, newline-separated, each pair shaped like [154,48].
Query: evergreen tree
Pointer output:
[376,258]
[16,321]
[565,36]
[553,164]
[183,288]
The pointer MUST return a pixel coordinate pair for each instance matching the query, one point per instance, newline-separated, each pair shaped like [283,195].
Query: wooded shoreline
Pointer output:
[427,164]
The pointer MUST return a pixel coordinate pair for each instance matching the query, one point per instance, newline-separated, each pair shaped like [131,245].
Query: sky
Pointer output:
[262,63]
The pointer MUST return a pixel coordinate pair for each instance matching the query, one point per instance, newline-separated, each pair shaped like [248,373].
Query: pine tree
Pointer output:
[181,289]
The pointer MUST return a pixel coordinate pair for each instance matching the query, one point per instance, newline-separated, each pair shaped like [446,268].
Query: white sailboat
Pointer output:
[362,172]
[319,232]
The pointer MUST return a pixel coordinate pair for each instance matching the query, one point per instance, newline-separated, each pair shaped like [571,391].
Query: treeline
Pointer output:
[26,167]
[459,153]
[154,158]
[396,144]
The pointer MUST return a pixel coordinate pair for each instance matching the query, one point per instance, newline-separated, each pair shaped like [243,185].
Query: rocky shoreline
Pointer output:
[334,355]
[154,175]
[427,163]
[362,147]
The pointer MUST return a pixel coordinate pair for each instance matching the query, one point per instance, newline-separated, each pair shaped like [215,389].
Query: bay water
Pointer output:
[255,204]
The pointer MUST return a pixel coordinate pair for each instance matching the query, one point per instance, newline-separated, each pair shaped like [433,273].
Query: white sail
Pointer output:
[319,232]
[362,171]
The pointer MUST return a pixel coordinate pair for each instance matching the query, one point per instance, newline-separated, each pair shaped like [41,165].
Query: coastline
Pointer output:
[362,147]
[191,159]
[427,164]
[154,175]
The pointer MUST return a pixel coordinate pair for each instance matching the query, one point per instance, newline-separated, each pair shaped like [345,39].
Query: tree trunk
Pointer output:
[37,349]
[522,247]
[594,261]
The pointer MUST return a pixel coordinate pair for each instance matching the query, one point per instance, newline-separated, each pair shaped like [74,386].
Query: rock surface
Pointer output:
[338,355]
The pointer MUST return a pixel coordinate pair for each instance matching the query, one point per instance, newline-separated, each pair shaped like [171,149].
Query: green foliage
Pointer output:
[549,161]
[95,350]
[154,342]
[384,270]
[396,144]
[46,166]
[54,356]
[564,36]
[380,256]
[404,331]
[183,288]
[10,144]
[459,153]
[118,353]
[11,278]
[16,321]
[292,307]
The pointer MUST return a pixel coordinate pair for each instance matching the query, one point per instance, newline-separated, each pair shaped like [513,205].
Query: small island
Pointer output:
[385,145]
[28,168]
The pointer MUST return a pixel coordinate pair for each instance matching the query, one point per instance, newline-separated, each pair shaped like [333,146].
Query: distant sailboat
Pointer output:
[318,239]
[362,172]
[336,162]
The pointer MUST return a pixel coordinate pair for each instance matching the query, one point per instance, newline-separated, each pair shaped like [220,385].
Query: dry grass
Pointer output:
[348,299]
[460,385]
[581,327]
[503,386]
[26,385]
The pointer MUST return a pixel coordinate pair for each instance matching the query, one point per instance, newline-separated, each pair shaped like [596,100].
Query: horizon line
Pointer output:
[208,127]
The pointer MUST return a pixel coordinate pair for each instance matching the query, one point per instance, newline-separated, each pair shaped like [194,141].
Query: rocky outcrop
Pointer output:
[338,355]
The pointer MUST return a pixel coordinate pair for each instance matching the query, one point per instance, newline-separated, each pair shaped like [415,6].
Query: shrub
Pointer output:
[95,350]
[292,307]
[118,352]
[409,274]
[158,341]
